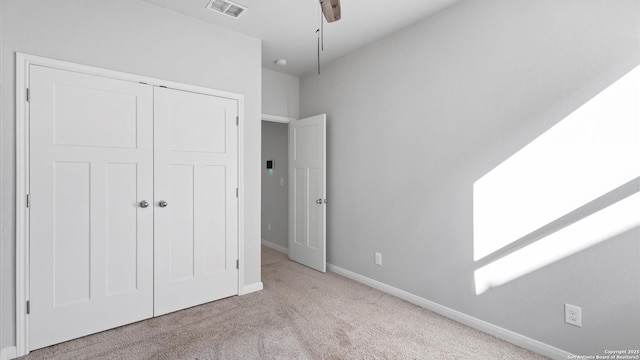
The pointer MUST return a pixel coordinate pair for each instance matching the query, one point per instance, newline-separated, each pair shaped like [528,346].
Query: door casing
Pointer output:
[23,63]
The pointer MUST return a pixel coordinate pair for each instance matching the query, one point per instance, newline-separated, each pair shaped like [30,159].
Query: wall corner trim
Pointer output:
[248,289]
[491,329]
[275,246]
[278,119]
[9,352]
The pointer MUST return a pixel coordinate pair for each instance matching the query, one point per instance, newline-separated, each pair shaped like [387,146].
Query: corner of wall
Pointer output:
[275,246]
[248,289]
[280,94]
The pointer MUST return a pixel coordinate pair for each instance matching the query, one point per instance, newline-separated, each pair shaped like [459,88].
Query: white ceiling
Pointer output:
[287,27]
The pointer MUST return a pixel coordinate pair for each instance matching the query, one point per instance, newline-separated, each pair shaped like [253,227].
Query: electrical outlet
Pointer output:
[378,258]
[268,227]
[573,315]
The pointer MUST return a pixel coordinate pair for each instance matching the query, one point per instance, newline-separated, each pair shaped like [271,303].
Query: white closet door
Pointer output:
[91,244]
[196,174]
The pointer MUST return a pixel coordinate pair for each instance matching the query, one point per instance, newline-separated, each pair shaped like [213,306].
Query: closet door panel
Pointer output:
[91,244]
[196,175]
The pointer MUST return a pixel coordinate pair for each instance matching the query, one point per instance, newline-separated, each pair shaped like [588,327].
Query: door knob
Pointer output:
[144,204]
[319,201]
[163,203]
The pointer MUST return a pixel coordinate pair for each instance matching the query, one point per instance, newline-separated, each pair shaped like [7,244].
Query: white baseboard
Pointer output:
[275,246]
[10,352]
[501,333]
[248,289]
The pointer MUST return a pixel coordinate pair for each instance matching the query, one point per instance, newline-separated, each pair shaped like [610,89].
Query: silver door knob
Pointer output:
[144,204]
[319,201]
[163,203]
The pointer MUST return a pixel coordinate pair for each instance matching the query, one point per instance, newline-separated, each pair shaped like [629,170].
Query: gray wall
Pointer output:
[417,117]
[280,94]
[275,197]
[134,37]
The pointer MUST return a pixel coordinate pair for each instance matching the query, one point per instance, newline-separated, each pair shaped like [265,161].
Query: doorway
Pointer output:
[275,184]
[294,189]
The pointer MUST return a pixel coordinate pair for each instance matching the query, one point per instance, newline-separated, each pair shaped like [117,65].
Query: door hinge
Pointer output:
[28,201]
[28,307]
[28,95]
[237,120]
[237,264]
[237,193]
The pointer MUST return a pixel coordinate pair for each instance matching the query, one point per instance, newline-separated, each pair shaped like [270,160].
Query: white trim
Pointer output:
[23,62]
[8,353]
[112,74]
[22,213]
[491,329]
[278,119]
[241,195]
[275,246]
[248,289]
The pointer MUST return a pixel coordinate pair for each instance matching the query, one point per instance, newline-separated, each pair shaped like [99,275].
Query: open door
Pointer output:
[307,192]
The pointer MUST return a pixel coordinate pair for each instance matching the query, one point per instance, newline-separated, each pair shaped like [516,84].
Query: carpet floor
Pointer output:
[300,314]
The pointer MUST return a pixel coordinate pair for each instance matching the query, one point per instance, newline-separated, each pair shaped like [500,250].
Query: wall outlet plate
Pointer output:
[573,315]
[378,258]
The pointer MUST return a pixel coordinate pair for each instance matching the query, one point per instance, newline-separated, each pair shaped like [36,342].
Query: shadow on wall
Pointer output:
[573,187]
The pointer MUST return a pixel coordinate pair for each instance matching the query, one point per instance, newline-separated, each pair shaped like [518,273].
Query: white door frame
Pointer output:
[23,62]
[277,119]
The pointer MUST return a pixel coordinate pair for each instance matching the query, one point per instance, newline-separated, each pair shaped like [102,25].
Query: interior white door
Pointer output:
[307,192]
[196,204]
[91,243]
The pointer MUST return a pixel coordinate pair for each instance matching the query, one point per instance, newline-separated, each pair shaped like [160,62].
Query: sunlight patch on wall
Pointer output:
[589,153]
[605,224]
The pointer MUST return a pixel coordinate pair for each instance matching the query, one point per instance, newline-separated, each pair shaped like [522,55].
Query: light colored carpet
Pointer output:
[301,314]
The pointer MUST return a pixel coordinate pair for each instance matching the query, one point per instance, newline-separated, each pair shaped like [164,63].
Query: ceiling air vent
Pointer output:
[227,7]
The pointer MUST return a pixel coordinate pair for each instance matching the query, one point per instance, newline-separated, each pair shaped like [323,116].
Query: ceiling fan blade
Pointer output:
[331,9]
